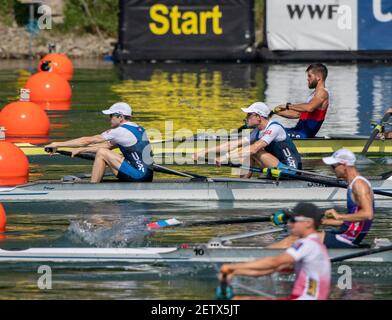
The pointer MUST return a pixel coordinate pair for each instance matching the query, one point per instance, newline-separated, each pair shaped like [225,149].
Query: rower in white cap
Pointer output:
[270,145]
[356,222]
[135,163]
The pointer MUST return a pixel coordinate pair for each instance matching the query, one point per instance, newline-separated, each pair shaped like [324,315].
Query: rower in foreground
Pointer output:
[308,257]
[267,146]
[355,224]
[136,161]
[312,113]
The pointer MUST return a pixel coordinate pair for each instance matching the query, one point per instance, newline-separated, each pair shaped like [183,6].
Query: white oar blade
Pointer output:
[163,224]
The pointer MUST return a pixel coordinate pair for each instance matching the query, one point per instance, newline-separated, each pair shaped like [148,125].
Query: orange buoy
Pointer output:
[50,91]
[58,63]
[24,118]
[3,219]
[14,166]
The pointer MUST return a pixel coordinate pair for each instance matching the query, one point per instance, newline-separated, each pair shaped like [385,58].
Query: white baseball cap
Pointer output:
[120,108]
[258,107]
[342,156]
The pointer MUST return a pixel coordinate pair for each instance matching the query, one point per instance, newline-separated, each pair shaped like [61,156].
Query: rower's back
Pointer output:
[350,231]
[312,269]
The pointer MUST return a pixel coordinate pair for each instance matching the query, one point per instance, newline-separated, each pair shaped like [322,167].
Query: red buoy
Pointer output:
[14,166]
[24,118]
[3,219]
[58,63]
[50,91]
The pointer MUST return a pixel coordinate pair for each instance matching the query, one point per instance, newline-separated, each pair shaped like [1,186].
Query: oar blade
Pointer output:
[163,224]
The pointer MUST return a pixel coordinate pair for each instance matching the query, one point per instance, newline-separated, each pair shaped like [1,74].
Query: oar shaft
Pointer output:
[247,235]
[85,156]
[375,132]
[162,169]
[228,221]
[362,253]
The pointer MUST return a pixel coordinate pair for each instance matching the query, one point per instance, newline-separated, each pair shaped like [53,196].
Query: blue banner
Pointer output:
[374,25]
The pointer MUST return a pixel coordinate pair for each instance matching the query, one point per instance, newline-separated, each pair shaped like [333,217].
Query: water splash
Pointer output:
[103,233]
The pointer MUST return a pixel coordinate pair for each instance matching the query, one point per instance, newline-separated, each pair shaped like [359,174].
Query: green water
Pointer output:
[192,97]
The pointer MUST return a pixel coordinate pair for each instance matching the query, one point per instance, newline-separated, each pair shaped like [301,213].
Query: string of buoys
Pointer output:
[48,89]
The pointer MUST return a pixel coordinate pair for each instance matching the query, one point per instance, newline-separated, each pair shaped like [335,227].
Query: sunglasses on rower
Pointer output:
[251,115]
[299,219]
[116,115]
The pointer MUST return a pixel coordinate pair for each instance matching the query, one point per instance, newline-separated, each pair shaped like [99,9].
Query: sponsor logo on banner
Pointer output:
[313,11]
[309,25]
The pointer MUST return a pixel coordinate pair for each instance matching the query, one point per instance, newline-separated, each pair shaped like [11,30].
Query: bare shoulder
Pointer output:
[360,187]
[322,93]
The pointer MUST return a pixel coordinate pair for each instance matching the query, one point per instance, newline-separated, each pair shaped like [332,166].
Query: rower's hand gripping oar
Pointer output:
[225,290]
[378,128]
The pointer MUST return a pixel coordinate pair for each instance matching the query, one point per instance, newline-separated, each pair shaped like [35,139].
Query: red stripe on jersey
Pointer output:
[318,115]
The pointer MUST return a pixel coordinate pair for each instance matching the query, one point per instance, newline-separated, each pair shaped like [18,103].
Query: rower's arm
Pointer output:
[224,147]
[94,148]
[316,102]
[252,149]
[77,143]
[262,266]
[363,196]
[331,222]
[289,114]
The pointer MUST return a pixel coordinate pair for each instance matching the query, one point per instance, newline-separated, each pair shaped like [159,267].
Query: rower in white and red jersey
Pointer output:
[308,257]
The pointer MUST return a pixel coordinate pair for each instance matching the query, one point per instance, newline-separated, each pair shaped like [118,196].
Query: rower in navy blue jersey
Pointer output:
[135,163]
[267,146]
[312,113]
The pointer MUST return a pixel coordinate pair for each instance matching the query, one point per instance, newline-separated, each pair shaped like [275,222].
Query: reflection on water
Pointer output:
[201,96]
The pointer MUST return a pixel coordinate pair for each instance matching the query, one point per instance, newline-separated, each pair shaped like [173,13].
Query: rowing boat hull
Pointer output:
[309,147]
[200,254]
[256,190]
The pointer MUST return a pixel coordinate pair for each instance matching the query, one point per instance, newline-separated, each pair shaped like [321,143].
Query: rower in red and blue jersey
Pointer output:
[312,113]
[355,224]
[135,163]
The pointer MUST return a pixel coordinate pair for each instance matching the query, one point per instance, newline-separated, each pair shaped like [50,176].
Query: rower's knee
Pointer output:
[102,153]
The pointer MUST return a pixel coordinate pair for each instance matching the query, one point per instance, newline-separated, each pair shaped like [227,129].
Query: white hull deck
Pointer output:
[200,254]
[270,191]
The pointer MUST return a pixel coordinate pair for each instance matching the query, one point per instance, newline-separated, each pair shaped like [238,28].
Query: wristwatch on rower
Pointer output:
[288,104]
